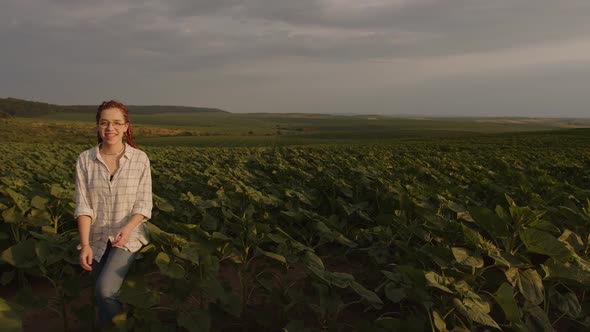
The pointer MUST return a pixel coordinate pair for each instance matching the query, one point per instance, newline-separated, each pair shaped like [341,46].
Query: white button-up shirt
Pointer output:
[111,203]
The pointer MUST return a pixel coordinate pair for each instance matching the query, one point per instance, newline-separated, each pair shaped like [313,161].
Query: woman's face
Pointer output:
[112,126]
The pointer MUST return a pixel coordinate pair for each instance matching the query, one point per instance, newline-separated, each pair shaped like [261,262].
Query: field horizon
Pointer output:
[185,126]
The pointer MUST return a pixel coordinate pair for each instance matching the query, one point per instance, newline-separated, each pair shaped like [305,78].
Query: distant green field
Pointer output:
[315,125]
[229,129]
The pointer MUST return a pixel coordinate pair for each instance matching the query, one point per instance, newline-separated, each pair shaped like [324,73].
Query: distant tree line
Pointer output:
[18,107]
[13,107]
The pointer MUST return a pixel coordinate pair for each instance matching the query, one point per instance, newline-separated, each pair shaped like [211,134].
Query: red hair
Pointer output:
[115,104]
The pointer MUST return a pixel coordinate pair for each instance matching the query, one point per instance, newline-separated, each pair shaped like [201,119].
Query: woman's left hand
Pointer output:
[122,237]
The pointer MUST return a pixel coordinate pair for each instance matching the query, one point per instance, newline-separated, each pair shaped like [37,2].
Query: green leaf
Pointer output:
[20,255]
[48,229]
[475,312]
[466,257]
[314,263]
[38,218]
[567,303]
[227,300]
[465,290]
[415,275]
[437,281]
[21,201]
[209,222]
[540,242]
[58,191]
[572,239]
[489,221]
[537,319]
[502,258]
[455,207]
[464,216]
[505,298]
[272,255]
[162,237]
[439,322]
[276,238]
[339,279]
[11,316]
[366,294]
[394,293]
[43,251]
[195,320]
[39,202]
[512,276]
[568,271]
[135,292]
[12,216]
[477,304]
[191,252]
[477,240]
[168,267]
[220,236]
[522,216]
[162,204]
[531,286]
[546,226]
[333,235]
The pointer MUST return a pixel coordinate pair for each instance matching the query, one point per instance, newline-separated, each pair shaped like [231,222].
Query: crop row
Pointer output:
[444,235]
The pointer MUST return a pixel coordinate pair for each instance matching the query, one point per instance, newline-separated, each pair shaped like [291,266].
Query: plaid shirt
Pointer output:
[111,203]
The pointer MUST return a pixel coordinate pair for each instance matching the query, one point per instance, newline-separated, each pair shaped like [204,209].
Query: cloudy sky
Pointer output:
[414,57]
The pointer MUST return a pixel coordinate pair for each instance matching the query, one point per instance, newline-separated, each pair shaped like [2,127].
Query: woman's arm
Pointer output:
[83,214]
[83,205]
[85,250]
[143,203]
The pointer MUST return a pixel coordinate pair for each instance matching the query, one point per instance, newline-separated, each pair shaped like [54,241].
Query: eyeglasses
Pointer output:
[116,125]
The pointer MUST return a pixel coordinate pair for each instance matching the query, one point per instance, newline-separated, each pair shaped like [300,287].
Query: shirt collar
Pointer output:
[129,150]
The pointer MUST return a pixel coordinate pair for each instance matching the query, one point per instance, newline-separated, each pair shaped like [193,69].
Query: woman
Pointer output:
[113,199]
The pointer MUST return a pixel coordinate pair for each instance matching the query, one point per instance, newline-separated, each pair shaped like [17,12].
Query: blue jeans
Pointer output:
[108,275]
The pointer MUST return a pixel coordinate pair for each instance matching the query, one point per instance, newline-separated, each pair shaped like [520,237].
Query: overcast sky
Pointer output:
[415,57]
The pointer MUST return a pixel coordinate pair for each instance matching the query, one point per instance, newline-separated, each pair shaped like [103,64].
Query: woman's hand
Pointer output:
[86,257]
[122,236]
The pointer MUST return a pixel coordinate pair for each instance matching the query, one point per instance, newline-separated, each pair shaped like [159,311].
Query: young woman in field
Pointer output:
[113,199]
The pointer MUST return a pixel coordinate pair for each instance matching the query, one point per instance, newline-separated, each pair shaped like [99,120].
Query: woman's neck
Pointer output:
[111,148]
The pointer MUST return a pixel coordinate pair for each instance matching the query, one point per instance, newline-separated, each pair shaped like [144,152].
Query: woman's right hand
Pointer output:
[86,257]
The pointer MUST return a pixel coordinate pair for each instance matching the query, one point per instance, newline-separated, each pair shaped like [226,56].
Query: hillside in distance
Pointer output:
[13,107]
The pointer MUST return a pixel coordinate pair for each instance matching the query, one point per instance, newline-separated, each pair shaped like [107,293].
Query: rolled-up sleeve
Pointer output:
[143,203]
[83,206]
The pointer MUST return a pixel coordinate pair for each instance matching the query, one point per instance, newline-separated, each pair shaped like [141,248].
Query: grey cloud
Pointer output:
[101,47]
[153,30]
[418,28]
[443,27]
